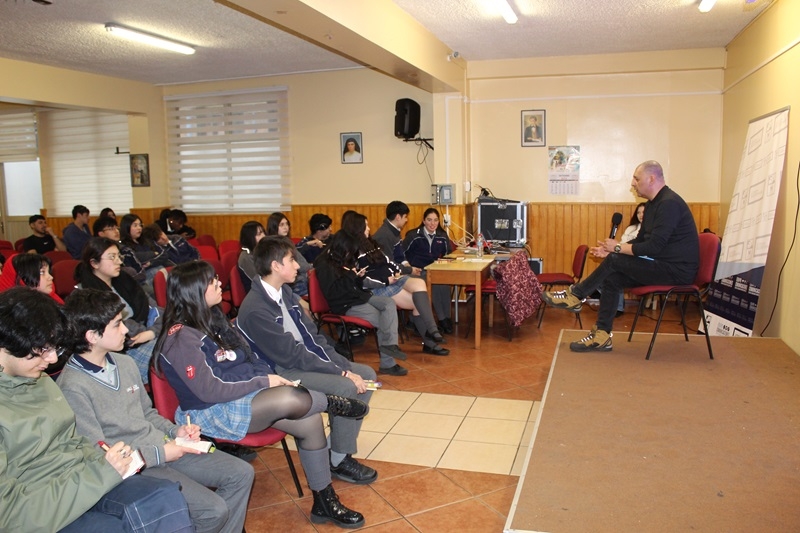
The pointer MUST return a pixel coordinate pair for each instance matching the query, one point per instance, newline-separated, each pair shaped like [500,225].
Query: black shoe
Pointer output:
[328,508]
[446,326]
[619,314]
[435,350]
[245,453]
[396,370]
[435,336]
[352,471]
[346,407]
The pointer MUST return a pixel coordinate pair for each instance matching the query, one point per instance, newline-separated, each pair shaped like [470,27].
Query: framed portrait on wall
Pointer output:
[352,148]
[532,127]
[140,170]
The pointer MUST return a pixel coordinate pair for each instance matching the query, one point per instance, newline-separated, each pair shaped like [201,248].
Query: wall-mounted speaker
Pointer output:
[406,118]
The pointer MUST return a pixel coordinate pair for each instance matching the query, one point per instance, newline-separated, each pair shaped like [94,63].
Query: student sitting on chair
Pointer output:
[52,479]
[43,239]
[107,394]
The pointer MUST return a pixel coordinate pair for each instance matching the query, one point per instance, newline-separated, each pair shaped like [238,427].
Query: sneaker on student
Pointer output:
[595,341]
[352,471]
[563,299]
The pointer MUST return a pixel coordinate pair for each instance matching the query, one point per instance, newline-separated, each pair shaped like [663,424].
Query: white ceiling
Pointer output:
[71,34]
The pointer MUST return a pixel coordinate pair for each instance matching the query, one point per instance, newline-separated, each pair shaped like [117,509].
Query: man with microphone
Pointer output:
[666,251]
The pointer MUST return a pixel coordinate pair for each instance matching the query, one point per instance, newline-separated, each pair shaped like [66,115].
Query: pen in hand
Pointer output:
[191,432]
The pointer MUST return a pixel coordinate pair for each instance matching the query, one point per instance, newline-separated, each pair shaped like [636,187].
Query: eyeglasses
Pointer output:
[43,351]
[110,228]
[112,257]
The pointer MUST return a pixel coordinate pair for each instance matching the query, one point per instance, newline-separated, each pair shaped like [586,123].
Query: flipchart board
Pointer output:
[733,298]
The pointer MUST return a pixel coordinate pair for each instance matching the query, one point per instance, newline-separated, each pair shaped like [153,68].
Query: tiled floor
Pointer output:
[448,440]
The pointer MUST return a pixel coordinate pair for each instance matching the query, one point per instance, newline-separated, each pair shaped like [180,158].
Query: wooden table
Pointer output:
[468,271]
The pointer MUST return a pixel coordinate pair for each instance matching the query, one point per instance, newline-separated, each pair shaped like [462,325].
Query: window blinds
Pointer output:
[79,164]
[18,136]
[229,152]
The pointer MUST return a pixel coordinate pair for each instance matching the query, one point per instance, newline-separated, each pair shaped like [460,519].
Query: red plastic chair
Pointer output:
[207,240]
[709,257]
[57,255]
[229,246]
[8,253]
[166,403]
[322,314]
[238,291]
[18,245]
[64,276]
[7,245]
[550,280]
[207,252]
[160,288]
[230,259]
[488,290]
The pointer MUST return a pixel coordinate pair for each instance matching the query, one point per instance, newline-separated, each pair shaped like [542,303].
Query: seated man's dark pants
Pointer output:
[618,272]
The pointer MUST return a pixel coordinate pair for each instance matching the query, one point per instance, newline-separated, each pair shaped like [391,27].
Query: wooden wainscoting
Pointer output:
[554,229]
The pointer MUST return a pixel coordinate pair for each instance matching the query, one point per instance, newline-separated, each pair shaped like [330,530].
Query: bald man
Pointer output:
[665,252]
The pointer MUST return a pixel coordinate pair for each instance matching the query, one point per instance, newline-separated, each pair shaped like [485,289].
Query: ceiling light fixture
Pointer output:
[706,5]
[506,11]
[149,38]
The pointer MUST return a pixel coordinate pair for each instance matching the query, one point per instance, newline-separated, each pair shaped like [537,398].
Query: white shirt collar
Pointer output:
[272,292]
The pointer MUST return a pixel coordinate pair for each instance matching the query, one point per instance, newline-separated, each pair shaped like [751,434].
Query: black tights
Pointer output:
[287,409]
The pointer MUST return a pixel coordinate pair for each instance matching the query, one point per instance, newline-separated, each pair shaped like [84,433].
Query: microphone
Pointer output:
[616,220]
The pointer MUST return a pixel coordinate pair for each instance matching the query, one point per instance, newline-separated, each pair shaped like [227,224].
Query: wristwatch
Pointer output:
[617,248]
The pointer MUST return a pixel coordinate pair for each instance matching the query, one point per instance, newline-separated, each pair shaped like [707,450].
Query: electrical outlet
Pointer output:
[446,219]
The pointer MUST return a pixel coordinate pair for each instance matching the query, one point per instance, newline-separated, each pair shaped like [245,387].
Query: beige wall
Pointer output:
[629,108]
[763,75]
[32,84]
[621,109]
[323,105]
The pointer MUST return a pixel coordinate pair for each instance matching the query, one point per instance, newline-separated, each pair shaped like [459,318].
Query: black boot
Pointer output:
[346,407]
[328,508]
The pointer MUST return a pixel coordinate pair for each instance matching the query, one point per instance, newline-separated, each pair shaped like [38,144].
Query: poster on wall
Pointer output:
[733,298]
[140,170]
[564,169]
[351,148]
[533,127]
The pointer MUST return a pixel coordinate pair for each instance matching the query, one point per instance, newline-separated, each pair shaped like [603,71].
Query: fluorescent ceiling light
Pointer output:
[506,11]
[149,38]
[706,5]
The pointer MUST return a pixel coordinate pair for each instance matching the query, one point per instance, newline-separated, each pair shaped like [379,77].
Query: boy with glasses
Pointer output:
[51,479]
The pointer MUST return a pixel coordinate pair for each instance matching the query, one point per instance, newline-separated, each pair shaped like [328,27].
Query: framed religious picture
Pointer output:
[352,149]
[140,170]
[532,127]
